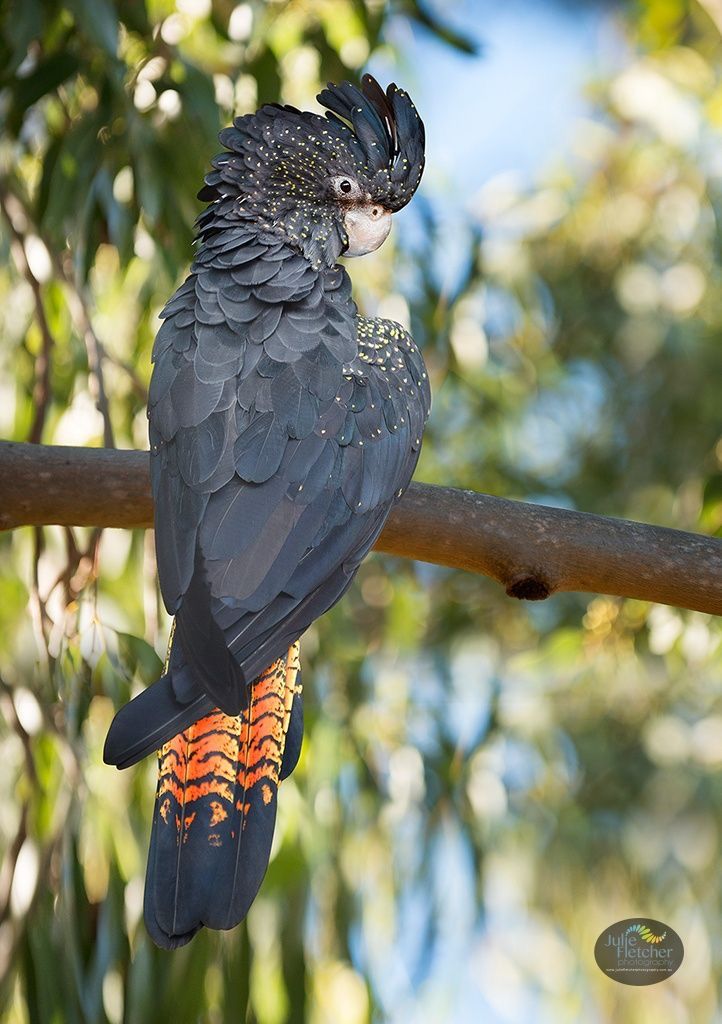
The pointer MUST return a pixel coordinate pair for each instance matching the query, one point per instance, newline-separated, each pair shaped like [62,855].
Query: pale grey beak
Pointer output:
[367,228]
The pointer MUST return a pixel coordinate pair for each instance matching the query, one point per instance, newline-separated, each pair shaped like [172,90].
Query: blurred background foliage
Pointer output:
[484,785]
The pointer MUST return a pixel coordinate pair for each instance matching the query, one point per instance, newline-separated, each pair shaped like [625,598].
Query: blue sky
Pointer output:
[512,108]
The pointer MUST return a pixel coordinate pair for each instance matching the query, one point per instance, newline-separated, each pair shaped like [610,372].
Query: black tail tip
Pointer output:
[117,750]
[137,729]
[152,718]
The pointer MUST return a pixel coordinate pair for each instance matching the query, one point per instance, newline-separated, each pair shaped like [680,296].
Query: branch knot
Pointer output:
[529,586]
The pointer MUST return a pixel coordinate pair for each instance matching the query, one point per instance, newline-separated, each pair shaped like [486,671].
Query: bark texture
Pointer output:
[532,550]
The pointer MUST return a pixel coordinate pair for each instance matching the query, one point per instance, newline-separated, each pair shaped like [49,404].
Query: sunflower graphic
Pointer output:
[646,933]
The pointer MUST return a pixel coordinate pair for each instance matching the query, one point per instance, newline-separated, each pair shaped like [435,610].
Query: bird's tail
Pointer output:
[215,808]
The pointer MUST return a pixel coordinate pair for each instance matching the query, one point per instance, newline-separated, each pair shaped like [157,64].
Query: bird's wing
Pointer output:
[372,433]
[279,451]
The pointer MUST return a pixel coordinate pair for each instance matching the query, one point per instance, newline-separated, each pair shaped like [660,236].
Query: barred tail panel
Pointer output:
[215,810]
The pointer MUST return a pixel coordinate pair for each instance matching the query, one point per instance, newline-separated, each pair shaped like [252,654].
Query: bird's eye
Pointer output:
[345,185]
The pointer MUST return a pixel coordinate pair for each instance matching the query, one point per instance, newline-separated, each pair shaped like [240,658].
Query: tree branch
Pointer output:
[532,550]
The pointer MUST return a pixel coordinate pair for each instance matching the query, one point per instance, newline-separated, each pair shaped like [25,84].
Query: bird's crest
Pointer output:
[388,128]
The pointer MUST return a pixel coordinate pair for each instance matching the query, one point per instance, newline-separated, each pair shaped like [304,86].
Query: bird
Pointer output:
[283,428]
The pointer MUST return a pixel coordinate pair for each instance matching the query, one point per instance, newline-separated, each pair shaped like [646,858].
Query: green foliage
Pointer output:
[484,786]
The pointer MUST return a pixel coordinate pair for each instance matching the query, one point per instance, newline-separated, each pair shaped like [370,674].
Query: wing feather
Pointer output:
[283,433]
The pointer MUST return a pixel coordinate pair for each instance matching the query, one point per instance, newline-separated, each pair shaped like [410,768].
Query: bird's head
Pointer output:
[328,185]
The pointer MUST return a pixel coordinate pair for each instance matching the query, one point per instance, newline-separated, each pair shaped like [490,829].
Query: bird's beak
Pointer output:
[367,228]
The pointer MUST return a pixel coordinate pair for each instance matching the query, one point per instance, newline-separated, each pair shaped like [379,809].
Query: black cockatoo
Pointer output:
[283,427]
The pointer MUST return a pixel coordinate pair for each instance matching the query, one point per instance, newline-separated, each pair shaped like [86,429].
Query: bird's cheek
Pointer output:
[367,228]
